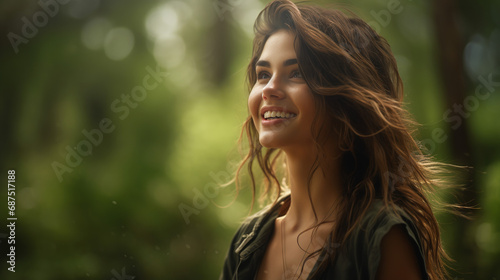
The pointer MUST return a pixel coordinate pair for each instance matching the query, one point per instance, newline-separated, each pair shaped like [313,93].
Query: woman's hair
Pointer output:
[354,79]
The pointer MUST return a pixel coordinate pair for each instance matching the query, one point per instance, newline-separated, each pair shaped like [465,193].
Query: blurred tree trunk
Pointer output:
[450,46]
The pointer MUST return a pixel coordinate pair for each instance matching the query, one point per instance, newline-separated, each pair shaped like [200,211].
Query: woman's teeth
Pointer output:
[278,114]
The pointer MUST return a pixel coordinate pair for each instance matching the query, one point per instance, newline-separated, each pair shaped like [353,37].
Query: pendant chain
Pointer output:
[283,252]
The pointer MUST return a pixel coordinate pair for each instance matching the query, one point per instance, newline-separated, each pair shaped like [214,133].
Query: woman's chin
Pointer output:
[268,145]
[269,141]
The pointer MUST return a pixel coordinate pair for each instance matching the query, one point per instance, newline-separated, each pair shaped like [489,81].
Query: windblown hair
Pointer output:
[354,78]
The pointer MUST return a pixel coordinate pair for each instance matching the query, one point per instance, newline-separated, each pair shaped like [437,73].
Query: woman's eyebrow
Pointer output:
[265,63]
[290,62]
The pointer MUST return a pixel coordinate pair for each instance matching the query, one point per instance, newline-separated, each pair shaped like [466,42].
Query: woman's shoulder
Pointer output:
[251,233]
[377,222]
[381,215]
[380,218]
[253,225]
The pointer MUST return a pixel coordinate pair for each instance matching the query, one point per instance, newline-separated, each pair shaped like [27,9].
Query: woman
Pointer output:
[326,115]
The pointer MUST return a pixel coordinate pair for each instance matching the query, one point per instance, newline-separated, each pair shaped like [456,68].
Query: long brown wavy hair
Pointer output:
[354,78]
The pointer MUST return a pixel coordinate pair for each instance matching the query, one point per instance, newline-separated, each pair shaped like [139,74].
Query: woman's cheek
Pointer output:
[254,105]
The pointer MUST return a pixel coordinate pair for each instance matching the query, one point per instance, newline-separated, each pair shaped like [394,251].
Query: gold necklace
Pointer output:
[283,252]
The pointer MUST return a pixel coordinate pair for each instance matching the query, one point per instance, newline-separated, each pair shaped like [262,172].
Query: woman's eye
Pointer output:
[262,75]
[296,74]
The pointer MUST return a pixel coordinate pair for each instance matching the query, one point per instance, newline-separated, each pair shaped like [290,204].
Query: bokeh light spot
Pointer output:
[119,43]
[94,33]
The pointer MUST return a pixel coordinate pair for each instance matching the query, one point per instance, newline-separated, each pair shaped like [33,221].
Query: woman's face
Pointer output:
[281,103]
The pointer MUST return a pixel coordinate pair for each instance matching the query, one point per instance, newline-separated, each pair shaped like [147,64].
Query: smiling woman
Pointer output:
[325,105]
[281,103]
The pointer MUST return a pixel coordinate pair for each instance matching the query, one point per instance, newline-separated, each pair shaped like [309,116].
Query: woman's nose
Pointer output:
[273,90]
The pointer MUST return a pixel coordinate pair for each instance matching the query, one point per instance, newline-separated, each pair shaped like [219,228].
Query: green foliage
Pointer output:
[118,211]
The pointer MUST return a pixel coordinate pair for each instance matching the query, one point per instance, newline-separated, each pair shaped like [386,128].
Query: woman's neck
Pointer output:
[324,190]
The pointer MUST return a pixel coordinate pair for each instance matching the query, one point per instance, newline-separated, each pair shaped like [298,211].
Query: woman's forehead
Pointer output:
[279,46]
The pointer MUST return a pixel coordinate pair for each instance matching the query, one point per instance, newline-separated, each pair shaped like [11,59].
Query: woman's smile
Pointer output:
[274,115]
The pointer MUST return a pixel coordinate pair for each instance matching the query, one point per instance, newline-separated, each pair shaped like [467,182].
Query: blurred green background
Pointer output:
[116,167]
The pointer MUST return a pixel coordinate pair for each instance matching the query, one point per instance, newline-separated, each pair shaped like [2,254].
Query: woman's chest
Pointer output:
[288,257]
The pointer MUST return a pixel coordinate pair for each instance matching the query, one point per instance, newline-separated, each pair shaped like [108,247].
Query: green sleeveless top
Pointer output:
[361,257]
[358,259]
